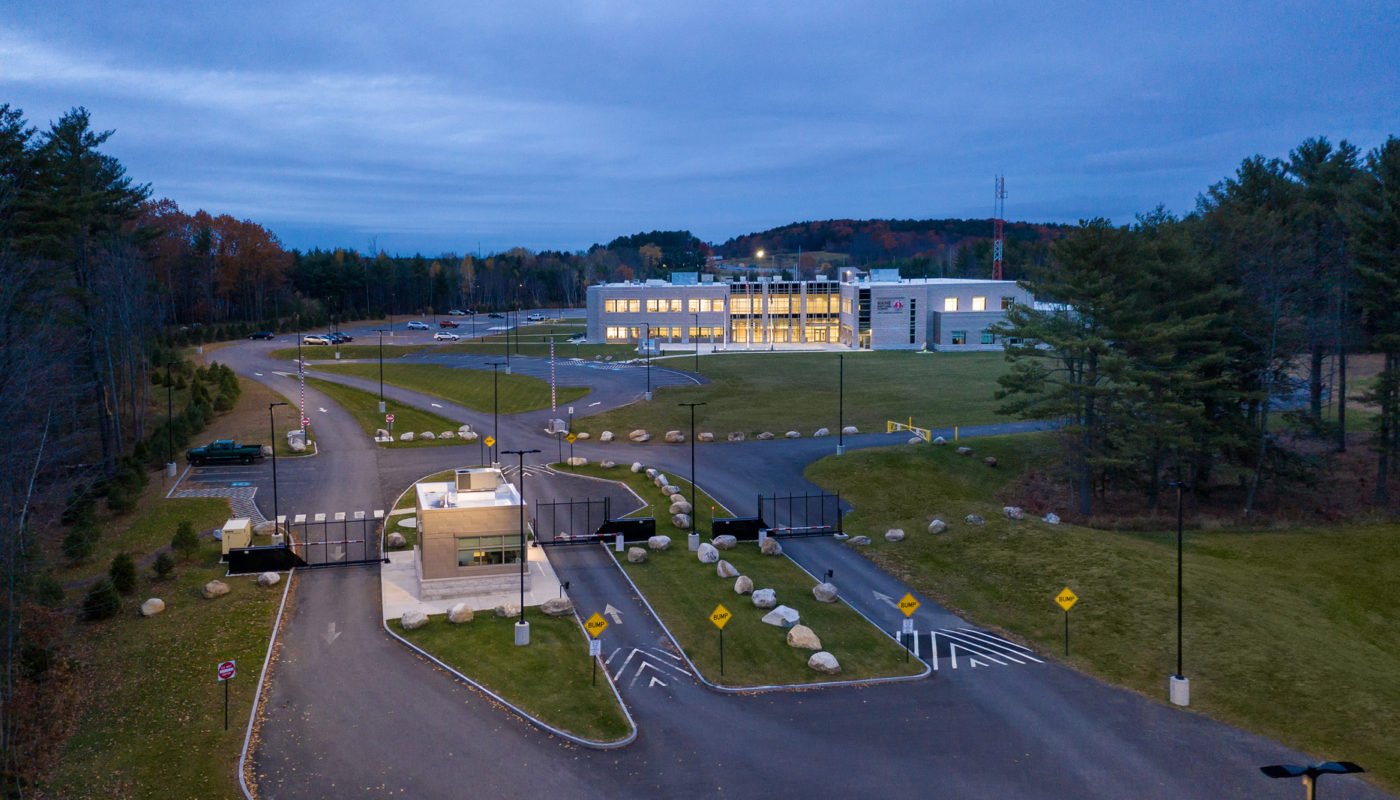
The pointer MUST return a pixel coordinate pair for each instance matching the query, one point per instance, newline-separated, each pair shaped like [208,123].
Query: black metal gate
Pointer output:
[336,540]
[585,521]
[803,514]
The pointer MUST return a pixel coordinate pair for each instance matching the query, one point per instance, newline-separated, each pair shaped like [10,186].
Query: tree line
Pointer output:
[1194,349]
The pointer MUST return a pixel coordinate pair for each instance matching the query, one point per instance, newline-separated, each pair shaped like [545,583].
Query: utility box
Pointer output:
[237,532]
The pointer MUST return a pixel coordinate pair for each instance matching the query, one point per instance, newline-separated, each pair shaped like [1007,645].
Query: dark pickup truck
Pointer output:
[224,451]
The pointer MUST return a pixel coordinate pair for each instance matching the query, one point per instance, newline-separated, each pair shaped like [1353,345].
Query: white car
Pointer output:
[315,339]
[445,336]
[535,318]
[415,325]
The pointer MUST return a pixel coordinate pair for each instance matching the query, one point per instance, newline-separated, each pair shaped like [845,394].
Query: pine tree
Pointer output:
[123,573]
[1378,271]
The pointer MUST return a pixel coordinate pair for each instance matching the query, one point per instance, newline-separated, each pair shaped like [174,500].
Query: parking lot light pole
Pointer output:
[1179,686]
[169,424]
[1310,774]
[646,351]
[697,342]
[272,429]
[496,406]
[381,371]
[841,404]
[694,537]
[522,628]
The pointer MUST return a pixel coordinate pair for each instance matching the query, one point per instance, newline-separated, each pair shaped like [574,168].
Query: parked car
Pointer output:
[415,325]
[456,312]
[494,315]
[447,323]
[224,451]
[444,336]
[535,318]
[267,335]
[316,338]
[340,338]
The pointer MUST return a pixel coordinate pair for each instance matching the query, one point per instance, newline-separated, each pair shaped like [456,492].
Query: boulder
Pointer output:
[680,507]
[395,539]
[825,593]
[506,610]
[636,555]
[937,526]
[266,450]
[964,451]
[782,617]
[381,433]
[736,436]
[637,466]
[743,585]
[427,435]
[557,607]
[464,430]
[605,437]
[764,436]
[990,461]
[652,472]
[793,435]
[707,553]
[1013,512]
[939,440]
[762,598]
[670,490]
[973,519]
[639,435]
[803,638]
[675,437]
[894,535]
[724,542]
[577,461]
[680,520]
[770,547]
[299,445]
[825,663]
[860,540]
[850,430]
[660,480]
[469,436]
[269,579]
[583,436]
[659,543]
[214,589]
[152,607]
[1051,519]
[406,437]
[413,620]
[915,440]
[821,432]
[704,436]
[724,569]
[447,435]
[459,614]
[607,464]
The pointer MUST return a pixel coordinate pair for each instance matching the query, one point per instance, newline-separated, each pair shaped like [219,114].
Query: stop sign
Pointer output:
[388,417]
[227,669]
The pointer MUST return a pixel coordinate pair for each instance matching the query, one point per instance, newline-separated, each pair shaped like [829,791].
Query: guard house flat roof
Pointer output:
[446,494]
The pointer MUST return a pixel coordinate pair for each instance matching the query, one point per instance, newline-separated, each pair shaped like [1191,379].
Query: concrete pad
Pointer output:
[398,582]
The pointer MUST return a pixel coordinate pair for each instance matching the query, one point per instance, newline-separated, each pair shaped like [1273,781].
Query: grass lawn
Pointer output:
[247,423]
[152,719]
[471,388]
[533,340]
[799,391]
[1286,632]
[364,407]
[684,592]
[551,679]
[145,531]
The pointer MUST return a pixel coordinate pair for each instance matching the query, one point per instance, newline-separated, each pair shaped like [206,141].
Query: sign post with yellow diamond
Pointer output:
[1066,599]
[720,617]
[595,625]
[571,438]
[908,604]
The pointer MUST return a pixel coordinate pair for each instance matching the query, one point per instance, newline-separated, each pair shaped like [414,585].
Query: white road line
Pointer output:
[598,403]
[953,646]
[1020,651]
[623,669]
[982,649]
[668,655]
[436,405]
[613,655]
[322,410]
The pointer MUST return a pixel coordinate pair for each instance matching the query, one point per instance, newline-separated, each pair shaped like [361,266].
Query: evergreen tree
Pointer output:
[123,573]
[185,542]
[164,565]
[102,601]
[1378,270]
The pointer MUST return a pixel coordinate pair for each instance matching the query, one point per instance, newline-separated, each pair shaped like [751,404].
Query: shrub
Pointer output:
[164,565]
[48,592]
[102,601]
[120,499]
[185,542]
[123,573]
[224,403]
[78,544]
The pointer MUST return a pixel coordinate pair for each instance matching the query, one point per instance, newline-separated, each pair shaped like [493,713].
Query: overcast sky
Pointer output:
[434,126]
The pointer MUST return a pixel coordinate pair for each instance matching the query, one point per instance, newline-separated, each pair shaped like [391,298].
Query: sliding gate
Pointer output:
[585,521]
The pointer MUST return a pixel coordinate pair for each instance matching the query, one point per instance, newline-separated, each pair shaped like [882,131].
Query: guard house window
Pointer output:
[959,337]
[480,551]
[988,337]
[1006,302]
[979,304]
[950,304]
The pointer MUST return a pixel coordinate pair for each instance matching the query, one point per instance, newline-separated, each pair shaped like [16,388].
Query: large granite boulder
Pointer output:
[152,607]
[724,569]
[383,435]
[469,436]
[269,579]
[724,542]
[214,589]
[507,610]
[743,585]
[782,617]
[764,598]
[637,466]
[659,543]
[298,445]
[651,473]
[704,436]
[680,507]
[850,430]
[707,553]
[825,592]
[606,464]
[821,432]
[395,539]
[770,547]
[577,461]
[636,555]
[680,520]
[824,663]
[973,519]
[447,435]
[406,436]
[266,449]
[427,436]
[940,441]
[990,461]
[1051,519]
[639,435]
[659,479]
[675,437]
[793,435]
[937,526]
[736,436]
[460,614]
[605,437]
[764,436]
[803,638]
[964,451]
[583,436]
[860,541]
[915,440]
[894,535]
[670,490]
[413,620]
[463,430]
[557,607]
[1013,512]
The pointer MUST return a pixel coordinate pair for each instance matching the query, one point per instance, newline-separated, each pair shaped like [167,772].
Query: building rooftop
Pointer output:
[494,491]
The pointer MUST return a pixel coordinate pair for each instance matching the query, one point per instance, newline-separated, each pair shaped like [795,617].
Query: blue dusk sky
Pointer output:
[432,127]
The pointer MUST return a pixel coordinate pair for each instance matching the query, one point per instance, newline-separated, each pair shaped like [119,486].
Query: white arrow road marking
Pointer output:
[323,410]
[259,374]
[655,681]
[436,405]
[647,665]
[614,613]
[886,599]
[331,633]
[598,403]
[338,553]
[975,663]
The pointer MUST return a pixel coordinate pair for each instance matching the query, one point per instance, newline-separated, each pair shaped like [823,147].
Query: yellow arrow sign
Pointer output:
[1066,598]
[490,441]
[570,438]
[720,616]
[595,625]
[908,604]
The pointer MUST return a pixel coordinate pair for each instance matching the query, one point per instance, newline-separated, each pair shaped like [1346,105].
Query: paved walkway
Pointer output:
[399,587]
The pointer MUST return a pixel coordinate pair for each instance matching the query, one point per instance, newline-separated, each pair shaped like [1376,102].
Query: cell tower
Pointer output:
[998,225]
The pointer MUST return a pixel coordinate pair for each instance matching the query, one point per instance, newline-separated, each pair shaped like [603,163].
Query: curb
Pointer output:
[257,695]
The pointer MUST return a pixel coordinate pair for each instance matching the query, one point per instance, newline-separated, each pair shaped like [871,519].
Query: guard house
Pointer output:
[468,535]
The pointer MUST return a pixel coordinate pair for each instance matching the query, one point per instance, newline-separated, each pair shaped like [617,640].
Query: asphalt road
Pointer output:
[352,712]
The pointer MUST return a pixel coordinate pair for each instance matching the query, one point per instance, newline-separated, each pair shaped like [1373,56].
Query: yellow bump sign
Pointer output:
[571,438]
[490,441]
[595,625]
[1066,598]
[720,616]
[908,604]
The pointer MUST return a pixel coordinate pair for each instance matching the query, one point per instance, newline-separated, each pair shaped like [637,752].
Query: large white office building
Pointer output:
[881,311]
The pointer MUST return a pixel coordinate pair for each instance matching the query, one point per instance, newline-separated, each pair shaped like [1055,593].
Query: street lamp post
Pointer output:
[1311,774]
[646,351]
[522,628]
[1179,686]
[694,539]
[496,406]
[272,429]
[381,371]
[169,425]
[697,342]
[841,404]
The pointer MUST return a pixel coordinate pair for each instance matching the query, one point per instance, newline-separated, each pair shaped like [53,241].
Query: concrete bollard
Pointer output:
[617,543]
[693,542]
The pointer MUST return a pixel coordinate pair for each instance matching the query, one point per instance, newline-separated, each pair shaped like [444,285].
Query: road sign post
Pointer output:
[908,604]
[1066,600]
[571,439]
[227,671]
[720,617]
[595,627]
[389,420]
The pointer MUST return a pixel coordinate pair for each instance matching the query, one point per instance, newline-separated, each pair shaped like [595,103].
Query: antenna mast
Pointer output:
[998,223]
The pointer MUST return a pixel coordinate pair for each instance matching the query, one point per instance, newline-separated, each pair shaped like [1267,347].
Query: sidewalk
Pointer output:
[398,582]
